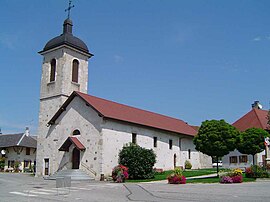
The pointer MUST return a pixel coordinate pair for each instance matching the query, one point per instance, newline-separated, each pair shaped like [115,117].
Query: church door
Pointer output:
[75,158]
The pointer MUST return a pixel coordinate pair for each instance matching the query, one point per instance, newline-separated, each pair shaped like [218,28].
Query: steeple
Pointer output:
[67,26]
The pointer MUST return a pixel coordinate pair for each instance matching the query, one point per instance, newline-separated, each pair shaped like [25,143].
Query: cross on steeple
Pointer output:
[69,8]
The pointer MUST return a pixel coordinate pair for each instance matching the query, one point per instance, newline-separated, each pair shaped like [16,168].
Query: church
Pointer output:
[84,132]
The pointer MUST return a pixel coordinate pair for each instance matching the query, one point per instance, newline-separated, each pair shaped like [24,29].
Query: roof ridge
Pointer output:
[21,139]
[256,110]
[13,134]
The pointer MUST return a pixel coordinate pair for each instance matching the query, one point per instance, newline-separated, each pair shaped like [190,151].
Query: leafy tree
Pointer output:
[251,141]
[140,161]
[216,138]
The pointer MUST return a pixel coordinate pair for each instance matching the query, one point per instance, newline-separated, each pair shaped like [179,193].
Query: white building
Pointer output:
[256,118]
[18,149]
[80,131]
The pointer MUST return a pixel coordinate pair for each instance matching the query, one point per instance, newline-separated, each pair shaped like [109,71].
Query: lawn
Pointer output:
[191,173]
[186,173]
[216,180]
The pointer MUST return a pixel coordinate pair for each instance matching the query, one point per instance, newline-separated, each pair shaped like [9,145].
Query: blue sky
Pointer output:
[193,60]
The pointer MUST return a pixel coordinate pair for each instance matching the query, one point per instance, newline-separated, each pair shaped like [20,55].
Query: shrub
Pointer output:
[2,163]
[140,161]
[177,177]
[188,165]
[120,173]
[17,166]
[256,172]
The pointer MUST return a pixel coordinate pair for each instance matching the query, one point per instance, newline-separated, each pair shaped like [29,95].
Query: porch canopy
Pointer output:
[71,140]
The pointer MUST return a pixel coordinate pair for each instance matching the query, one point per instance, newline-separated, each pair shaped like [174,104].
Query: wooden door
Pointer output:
[75,158]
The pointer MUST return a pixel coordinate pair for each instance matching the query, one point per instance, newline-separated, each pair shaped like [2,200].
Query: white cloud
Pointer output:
[118,59]
[258,38]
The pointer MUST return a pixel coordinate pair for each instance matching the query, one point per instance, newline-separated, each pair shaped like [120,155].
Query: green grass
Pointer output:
[215,180]
[191,173]
[186,173]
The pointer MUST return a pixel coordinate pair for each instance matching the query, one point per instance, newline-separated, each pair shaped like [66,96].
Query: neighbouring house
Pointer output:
[18,149]
[81,131]
[256,118]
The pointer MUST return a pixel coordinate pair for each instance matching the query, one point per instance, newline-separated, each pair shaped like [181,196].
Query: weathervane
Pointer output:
[69,8]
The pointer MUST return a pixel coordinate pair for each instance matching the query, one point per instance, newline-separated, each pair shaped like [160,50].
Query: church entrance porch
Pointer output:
[73,147]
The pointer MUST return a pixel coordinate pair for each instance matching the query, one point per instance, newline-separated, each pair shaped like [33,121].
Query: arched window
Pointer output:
[53,69]
[76,132]
[75,71]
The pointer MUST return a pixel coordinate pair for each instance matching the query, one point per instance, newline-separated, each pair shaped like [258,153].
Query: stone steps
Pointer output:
[75,174]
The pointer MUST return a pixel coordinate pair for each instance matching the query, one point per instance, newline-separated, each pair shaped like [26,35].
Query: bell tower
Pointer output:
[64,70]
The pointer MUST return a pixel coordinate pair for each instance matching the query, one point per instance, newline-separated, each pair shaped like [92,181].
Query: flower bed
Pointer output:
[120,173]
[232,176]
[176,177]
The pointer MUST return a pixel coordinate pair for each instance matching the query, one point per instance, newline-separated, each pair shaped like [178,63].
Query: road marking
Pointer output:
[47,190]
[39,192]
[22,194]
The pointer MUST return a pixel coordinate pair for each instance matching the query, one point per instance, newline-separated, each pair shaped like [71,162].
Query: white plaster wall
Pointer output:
[226,160]
[116,134]
[11,155]
[76,116]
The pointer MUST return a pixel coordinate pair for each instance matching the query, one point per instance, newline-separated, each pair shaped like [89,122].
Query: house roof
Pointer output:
[120,112]
[256,118]
[20,139]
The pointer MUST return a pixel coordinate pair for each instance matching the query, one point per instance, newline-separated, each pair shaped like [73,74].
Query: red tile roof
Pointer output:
[116,111]
[256,118]
[65,146]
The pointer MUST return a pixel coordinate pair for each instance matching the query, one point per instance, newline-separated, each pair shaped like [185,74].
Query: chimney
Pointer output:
[256,105]
[27,131]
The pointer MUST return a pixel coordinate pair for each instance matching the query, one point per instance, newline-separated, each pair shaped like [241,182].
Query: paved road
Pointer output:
[21,187]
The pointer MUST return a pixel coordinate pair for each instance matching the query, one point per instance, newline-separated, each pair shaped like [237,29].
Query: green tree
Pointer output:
[140,161]
[251,141]
[216,138]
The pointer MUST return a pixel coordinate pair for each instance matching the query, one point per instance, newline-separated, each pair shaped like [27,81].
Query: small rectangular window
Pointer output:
[155,141]
[26,163]
[170,144]
[243,159]
[233,159]
[27,151]
[11,164]
[134,138]
[189,154]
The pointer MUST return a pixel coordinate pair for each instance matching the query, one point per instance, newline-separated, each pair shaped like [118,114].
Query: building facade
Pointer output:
[256,118]
[80,131]
[18,151]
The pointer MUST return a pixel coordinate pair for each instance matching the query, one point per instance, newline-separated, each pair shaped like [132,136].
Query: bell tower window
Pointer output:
[75,71]
[53,69]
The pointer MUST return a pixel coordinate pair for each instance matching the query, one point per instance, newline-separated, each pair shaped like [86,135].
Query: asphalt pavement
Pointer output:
[25,188]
